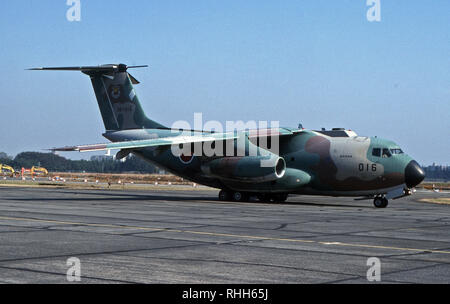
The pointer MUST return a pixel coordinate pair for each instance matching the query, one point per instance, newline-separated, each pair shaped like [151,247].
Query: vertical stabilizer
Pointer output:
[119,105]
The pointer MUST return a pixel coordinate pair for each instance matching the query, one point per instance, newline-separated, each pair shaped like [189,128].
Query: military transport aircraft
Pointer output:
[334,162]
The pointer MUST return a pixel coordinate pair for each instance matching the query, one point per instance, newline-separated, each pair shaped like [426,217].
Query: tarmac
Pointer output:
[180,236]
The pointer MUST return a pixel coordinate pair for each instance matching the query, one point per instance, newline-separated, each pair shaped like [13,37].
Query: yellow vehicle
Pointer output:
[6,170]
[38,171]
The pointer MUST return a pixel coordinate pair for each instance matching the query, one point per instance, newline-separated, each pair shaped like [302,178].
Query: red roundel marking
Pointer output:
[186,159]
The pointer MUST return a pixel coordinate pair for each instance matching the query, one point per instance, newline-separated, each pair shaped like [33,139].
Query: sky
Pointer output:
[316,62]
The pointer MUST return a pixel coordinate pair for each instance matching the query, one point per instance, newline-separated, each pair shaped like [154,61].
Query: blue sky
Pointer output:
[317,62]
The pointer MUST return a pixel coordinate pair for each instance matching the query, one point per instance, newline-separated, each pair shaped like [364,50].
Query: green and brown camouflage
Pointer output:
[273,161]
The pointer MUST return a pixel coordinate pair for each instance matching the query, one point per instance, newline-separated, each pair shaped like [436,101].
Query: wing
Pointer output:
[139,144]
[177,140]
[273,132]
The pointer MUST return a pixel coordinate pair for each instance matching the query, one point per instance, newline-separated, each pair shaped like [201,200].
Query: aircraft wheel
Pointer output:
[380,202]
[240,196]
[224,195]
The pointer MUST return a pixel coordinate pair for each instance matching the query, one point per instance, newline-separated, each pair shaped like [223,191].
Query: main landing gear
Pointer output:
[238,196]
[380,202]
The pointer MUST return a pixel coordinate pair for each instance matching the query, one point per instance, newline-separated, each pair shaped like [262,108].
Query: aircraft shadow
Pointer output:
[106,196]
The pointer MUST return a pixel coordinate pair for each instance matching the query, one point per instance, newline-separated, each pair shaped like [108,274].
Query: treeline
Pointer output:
[437,173]
[56,163]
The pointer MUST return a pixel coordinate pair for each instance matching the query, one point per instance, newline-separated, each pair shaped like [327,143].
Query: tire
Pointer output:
[237,196]
[240,196]
[380,202]
[224,196]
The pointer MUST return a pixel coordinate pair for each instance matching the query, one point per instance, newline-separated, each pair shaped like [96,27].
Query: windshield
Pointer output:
[376,152]
[386,153]
[396,151]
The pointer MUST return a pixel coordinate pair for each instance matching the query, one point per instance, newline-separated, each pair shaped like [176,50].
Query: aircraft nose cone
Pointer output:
[414,174]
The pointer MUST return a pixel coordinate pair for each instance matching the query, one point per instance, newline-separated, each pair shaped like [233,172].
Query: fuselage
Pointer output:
[332,165]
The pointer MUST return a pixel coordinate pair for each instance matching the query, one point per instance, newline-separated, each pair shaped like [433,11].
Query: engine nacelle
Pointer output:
[251,169]
[292,181]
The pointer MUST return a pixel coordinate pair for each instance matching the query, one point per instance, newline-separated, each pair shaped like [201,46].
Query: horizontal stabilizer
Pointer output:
[99,68]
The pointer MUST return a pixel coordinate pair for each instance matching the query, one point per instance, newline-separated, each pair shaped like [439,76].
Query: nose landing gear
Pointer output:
[380,202]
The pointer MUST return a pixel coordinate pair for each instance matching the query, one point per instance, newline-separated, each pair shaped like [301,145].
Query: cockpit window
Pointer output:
[386,153]
[396,151]
[376,152]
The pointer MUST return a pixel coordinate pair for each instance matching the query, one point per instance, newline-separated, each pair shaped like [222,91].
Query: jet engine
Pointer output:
[252,169]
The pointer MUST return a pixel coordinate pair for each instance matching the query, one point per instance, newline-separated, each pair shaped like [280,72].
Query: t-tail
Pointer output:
[119,105]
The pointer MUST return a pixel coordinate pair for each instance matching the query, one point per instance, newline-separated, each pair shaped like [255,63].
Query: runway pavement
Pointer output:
[191,237]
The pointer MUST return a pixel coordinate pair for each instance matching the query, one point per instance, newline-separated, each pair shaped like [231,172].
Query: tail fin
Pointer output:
[116,97]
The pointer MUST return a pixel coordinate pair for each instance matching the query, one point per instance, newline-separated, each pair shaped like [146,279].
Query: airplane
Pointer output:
[243,164]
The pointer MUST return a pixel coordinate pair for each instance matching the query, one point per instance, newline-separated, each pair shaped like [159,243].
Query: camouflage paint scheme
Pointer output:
[314,162]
